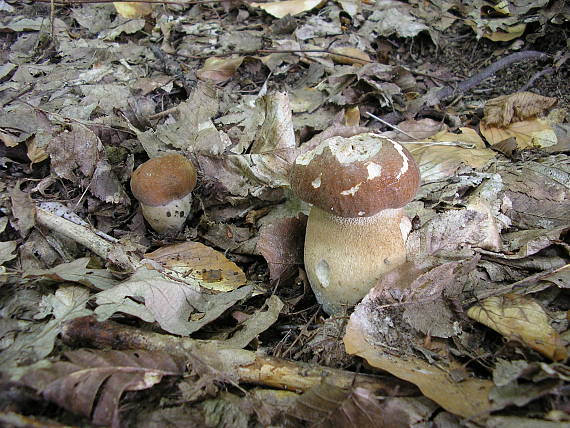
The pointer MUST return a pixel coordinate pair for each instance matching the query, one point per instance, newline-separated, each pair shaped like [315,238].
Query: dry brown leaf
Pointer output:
[350,56]
[23,210]
[527,133]
[281,9]
[506,109]
[92,382]
[327,406]
[352,116]
[468,398]
[512,32]
[179,306]
[281,244]
[437,162]
[518,317]
[202,263]
[219,70]
[133,10]
[36,153]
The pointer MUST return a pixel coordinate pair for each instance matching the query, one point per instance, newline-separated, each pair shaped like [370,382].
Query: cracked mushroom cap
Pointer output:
[161,180]
[357,176]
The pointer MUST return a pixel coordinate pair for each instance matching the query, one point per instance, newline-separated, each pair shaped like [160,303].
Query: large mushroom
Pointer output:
[163,186]
[357,230]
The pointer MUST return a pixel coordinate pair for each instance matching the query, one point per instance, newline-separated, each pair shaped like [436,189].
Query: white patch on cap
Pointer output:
[405,163]
[316,183]
[354,149]
[307,157]
[374,170]
[352,191]
[361,213]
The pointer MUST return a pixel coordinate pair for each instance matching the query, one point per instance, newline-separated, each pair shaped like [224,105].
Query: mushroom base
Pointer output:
[168,219]
[345,257]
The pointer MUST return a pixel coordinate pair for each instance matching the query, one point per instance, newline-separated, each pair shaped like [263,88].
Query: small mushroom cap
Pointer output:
[357,176]
[161,180]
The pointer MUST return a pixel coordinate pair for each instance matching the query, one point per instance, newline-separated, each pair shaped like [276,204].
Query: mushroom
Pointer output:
[162,185]
[357,230]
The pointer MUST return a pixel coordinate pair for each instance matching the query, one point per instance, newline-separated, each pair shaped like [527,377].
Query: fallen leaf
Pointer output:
[327,406]
[201,263]
[518,317]
[281,9]
[22,210]
[350,56]
[179,307]
[256,324]
[468,398]
[92,382]
[281,244]
[219,70]
[132,10]
[506,109]
[527,134]
[75,271]
[7,249]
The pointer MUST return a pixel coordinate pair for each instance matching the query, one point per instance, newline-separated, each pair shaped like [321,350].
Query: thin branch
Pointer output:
[245,366]
[448,91]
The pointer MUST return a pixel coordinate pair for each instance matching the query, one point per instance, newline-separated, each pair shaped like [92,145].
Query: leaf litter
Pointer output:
[476,319]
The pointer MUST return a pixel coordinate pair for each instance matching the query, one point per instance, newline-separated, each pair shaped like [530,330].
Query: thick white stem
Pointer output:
[169,218]
[345,257]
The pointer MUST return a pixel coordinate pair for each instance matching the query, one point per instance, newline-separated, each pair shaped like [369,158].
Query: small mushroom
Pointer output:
[357,230]
[163,186]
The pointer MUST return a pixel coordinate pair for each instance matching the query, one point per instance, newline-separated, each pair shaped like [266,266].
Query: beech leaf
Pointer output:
[91,382]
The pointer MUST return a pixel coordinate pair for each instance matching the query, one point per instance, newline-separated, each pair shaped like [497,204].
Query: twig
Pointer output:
[245,366]
[515,286]
[390,125]
[537,76]
[110,251]
[448,91]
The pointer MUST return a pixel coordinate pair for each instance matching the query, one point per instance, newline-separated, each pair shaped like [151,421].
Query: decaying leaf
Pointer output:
[536,195]
[131,10]
[519,382]
[507,109]
[7,249]
[468,398]
[536,133]
[330,406]
[91,383]
[448,153]
[219,70]
[260,321]
[75,271]
[22,210]
[37,341]
[288,7]
[515,116]
[281,244]
[350,56]
[520,318]
[179,307]
[192,129]
[196,261]
[261,161]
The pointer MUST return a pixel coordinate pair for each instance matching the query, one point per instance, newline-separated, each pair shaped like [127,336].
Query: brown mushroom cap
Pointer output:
[357,176]
[161,180]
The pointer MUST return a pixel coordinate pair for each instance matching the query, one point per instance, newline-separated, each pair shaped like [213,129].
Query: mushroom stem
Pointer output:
[168,218]
[344,257]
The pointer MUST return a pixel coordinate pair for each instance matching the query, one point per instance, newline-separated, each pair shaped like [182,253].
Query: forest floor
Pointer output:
[106,322]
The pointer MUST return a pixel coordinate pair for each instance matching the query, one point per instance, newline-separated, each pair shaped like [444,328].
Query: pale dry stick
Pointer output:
[110,251]
[242,365]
